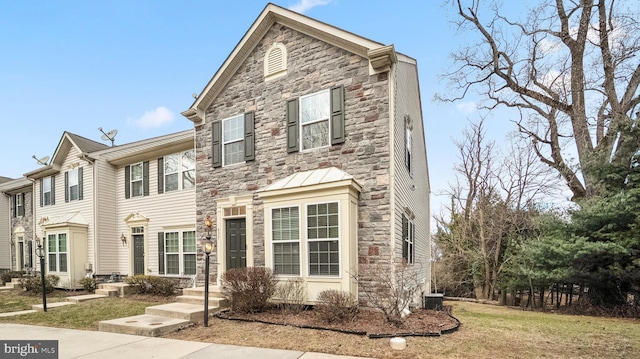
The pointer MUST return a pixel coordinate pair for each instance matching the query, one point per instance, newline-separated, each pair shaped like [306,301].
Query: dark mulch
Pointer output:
[368,322]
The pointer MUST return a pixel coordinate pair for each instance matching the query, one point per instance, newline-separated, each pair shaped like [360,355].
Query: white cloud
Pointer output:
[154,118]
[303,5]
[467,107]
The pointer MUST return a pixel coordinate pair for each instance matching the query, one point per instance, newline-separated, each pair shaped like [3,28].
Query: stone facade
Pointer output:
[26,223]
[312,66]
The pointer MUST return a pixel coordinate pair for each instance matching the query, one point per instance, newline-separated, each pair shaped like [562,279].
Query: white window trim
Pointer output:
[19,206]
[268,74]
[224,143]
[73,174]
[299,241]
[180,253]
[301,124]
[179,171]
[307,241]
[57,252]
[132,181]
[50,191]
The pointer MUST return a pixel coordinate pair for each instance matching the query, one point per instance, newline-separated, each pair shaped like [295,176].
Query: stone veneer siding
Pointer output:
[312,66]
[26,222]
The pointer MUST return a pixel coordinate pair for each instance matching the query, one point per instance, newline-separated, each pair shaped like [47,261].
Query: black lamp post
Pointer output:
[40,254]
[207,246]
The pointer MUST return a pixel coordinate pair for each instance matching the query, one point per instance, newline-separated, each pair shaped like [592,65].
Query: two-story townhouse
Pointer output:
[16,224]
[103,210]
[63,208]
[311,157]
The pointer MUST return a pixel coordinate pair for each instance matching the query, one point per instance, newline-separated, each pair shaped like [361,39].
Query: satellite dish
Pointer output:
[109,136]
[42,161]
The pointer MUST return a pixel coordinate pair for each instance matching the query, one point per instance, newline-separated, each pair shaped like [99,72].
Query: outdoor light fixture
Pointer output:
[123,238]
[40,253]
[207,247]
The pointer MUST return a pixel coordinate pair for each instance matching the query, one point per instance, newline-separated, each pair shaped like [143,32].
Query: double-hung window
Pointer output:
[407,144]
[57,251]
[73,184]
[180,252]
[177,171]
[314,120]
[285,231]
[233,140]
[408,240]
[136,180]
[18,205]
[323,232]
[47,191]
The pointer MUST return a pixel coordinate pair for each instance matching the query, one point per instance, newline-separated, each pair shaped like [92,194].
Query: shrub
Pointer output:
[89,284]
[7,276]
[290,295]
[336,306]
[148,284]
[248,289]
[391,291]
[34,284]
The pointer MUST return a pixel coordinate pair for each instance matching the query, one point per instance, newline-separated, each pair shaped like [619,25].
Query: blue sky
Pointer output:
[134,65]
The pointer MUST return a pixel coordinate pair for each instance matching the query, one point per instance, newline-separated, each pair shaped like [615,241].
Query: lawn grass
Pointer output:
[84,315]
[14,301]
[487,332]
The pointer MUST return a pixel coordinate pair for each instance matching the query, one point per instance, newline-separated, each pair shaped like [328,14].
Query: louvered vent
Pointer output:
[275,61]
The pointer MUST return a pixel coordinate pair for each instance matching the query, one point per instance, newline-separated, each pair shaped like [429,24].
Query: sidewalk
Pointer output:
[92,344]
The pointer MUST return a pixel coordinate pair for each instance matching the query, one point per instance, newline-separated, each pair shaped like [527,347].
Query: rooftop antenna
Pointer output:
[109,136]
[41,161]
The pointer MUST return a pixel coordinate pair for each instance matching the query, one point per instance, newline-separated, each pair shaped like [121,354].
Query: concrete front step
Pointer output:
[185,311]
[214,292]
[107,292]
[121,289]
[199,300]
[84,298]
[54,305]
[145,324]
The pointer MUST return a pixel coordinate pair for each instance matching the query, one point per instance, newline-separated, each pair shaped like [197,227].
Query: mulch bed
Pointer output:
[368,322]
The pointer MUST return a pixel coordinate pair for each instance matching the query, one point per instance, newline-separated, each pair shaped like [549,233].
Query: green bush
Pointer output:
[34,284]
[7,276]
[148,284]
[336,306]
[89,284]
[248,289]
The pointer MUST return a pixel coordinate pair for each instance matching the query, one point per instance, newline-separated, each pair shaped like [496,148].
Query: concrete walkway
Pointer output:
[90,344]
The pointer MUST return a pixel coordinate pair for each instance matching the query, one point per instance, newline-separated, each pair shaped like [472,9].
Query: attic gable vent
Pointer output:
[275,62]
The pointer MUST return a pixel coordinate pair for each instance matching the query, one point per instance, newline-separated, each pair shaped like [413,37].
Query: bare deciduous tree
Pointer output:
[571,69]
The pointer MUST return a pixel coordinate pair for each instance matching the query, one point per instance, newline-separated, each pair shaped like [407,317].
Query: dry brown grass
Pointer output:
[487,332]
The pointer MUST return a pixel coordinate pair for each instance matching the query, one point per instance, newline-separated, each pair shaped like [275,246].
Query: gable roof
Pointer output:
[67,141]
[380,56]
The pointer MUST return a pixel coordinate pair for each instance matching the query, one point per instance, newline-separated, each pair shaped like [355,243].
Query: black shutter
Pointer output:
[80,183]
[249,137]
[24,204]
[127,181]
[41,193]
[413,243]
[66,186]
[161,175]
[145,178]
[216,144]
[405,235]
[293,138]
[14,206]
[53,190]
[161,252]
[337,115]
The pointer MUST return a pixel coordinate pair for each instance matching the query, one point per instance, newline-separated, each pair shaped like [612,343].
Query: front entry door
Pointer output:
[138,254]
[236,243]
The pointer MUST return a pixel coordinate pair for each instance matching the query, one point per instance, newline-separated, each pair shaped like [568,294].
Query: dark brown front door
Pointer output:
[236,243]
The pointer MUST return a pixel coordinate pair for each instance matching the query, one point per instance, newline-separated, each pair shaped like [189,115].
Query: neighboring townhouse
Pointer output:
[103,210]
[311,157]
[16,224]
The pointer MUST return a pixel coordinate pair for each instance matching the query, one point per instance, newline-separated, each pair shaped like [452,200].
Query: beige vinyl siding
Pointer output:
[110,250]
[165,211]
[5,232]
[407,102]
